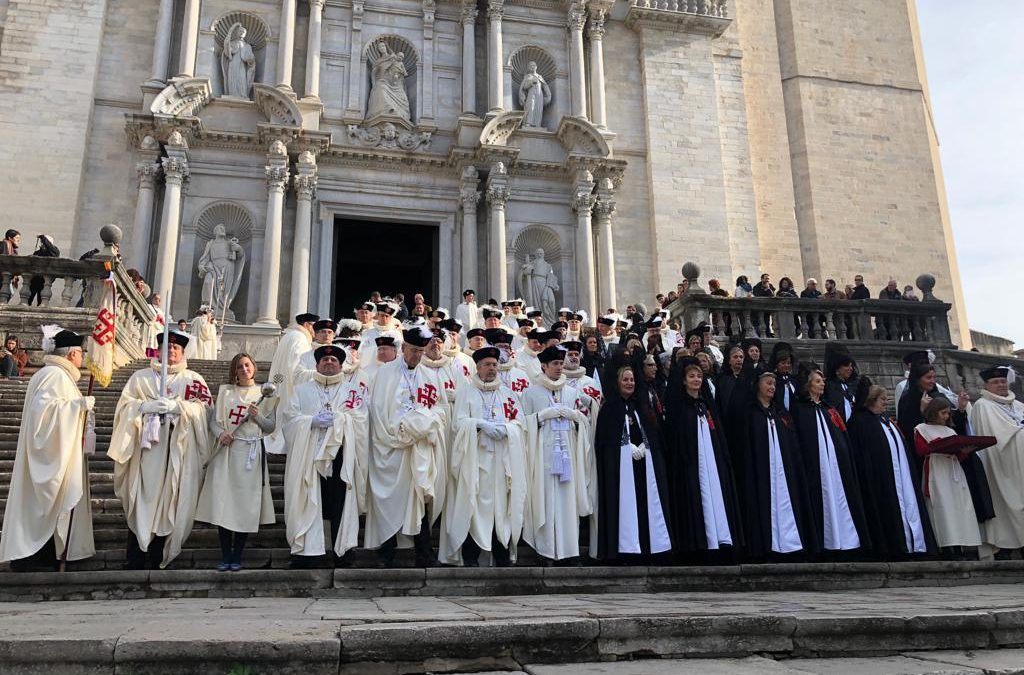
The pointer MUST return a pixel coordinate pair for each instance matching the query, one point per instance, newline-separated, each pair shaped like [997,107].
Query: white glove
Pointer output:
[491,430]
[639,452]
[323,419]
[90,402]
[159,406]
[500,432]
[549,414]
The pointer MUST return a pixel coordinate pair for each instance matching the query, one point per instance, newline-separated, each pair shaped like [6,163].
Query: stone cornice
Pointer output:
[688,16]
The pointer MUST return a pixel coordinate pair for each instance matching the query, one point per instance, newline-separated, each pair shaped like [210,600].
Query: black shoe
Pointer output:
[425,562]
[475,563]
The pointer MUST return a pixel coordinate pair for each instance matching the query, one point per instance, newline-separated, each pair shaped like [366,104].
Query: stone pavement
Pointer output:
[392,635]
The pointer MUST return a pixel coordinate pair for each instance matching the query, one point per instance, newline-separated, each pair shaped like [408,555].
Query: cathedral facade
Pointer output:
[265,156]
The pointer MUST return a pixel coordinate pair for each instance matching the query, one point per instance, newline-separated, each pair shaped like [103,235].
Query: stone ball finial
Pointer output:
[277,148]
[111,235]
[926,284]
[691,271]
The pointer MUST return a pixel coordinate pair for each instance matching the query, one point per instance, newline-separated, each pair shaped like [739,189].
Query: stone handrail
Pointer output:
[713,8]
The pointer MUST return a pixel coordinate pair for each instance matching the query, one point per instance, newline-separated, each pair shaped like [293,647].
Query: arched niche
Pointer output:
[257,33]
[526,243]
[238,223]
[396,44]
[518,62]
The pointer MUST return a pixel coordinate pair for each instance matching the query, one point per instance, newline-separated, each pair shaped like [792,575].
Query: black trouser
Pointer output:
[231,545]
[138,559]
[421,541]
[43,559]
[8,367]
[332,498]
[471,552]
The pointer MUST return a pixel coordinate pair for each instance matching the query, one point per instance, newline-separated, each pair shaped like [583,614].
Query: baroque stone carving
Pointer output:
[537,284]
[276,107]
[581,137]
[237,63]
[387,83]
[185,96]
[534,94]
[220,267]
[387,136]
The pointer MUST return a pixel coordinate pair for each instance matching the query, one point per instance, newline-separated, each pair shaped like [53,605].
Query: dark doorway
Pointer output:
[387,257]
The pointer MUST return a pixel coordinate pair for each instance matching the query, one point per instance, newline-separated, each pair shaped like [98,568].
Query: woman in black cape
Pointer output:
[890,478]
[626,420]
[830,469]
[693,436]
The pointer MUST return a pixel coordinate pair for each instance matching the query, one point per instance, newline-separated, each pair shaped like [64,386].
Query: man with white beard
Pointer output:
[285,370]
[588,390]
[487,489]
[509,373]
[407,467]
[325,425]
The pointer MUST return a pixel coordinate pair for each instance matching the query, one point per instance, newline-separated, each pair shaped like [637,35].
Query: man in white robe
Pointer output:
[48,509]
[450,374]
[513,313]
[159,446]
[386,324]
[386,352]
[285,371]
[523,326]
[510,374]
[526,358]
[558,445]
[324,331]
[204,332]
[487,470]
[535,315]
[325,474]
[364,315]
[998,413]
[452,348]
[467,311]
[407,467]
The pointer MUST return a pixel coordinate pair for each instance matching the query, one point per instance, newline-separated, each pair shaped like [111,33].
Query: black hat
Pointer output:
[67,338]
[534,312]
[695,332]
[565,313]
[386,307]
[306,317]
[468,292]
[486,353]
[350,342]
[655,321]
[688,361]
[498,336]
[476,332]
[368,306]
[385,341]
[438,314]
[572,345]
[749,342]
[329,350]
[524,322]
[418,336]
[836,355]
[606,320]
[553,353]
[994,372]
[549,335]
[578,317]
[536,334]
[781,351]
[918,355]
[325,324]
[559,324]
[451,325]
[803,374]
[175,338]
[492,313]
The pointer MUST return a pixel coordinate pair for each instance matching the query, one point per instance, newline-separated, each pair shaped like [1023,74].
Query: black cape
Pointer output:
[836,396]
[781,382]
[871,453]
[607,447]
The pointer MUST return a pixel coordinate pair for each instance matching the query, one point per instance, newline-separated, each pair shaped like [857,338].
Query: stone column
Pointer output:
[316,12]
[469,58]
[469,197]
[276,173]
[495,67]
[603,211]
[162,43]
[189,41]
[425,100]
[583,203]
[497,197]
[577,17]
[142,230]
[598,109]
[175,168]
[354,108]
[286,48]
[305,188]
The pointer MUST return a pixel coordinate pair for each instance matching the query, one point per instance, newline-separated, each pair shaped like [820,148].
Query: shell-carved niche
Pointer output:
[539,269]
[256,34]
[232,255]
[519,63]
[392,45]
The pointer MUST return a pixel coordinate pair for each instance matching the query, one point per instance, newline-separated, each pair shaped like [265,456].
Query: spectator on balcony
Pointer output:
[888,329]
[660,298]
[763,320]
[811,290]
[891,291]
[45,249]
[830,291]
[743,287]
[860,291]
[848,292]
[12,359]
[814,321]
[670,298]
[9,246]
[786,289]
[682,287]
[715,289]
[909,294]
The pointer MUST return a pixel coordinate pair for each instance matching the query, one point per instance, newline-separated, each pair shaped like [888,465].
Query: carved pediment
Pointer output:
[580,137]
[184,96]
[275,106]
[500,129]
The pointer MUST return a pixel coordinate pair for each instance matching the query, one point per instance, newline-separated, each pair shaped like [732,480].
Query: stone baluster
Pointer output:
[575,21]
[603,211]
[316,22]
[142,231]
[598,107]
[276,173]
[305,189]
[495,56]
[189,39]
[583,203]
[468,20]
[5,287]
[286,48]
[785,326]
[498,194]
[176,171]
[162,44]
[469,196]
[68,294]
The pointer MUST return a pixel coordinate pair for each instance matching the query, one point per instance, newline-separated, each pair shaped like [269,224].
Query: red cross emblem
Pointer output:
[511,412]
[354,400]
[427,395]
[465,370]
[237,414]
[449,385]
[198,391]
[592,392]
[585,409]
[519,385]
[103,331]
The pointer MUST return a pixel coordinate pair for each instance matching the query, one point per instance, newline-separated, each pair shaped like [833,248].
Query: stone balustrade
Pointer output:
[713,8]
[708,17]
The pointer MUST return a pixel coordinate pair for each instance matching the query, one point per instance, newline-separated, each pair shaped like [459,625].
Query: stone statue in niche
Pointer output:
[537,285]
[220,268]
[237,63]
[387,93]
[534,94]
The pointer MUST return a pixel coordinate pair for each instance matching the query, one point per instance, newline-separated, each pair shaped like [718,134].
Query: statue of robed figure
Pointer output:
[237,63]
[220,268]
[534,94]
[537,285]
[387,76]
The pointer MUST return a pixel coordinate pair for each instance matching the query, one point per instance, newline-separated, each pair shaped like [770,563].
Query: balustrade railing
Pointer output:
[712,8]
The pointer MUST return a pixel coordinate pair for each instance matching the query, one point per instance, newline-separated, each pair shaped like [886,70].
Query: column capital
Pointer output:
[317,4]
[498,195]
[604,208]
[583,202]
[469,198]
[276,177]
[495,9]
[175,169]
[305,185]
[596,25]
[147,171]
[576,16]
[468,14]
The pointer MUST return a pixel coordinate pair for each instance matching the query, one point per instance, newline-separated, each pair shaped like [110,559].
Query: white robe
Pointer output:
[368,346]
[514,377]
[204,332]
[555,506]
[947,495]
[464,361]
[487,477]
[1002,417]
[469,314]
[284,370]
[407,466]
[50,477]
[236,488]
[159,486]
[528,361]
[311,455]
[588,401]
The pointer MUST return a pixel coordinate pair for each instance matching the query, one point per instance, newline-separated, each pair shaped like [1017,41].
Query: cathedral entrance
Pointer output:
[387,257]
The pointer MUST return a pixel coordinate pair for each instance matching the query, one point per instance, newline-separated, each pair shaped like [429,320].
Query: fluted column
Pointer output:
[469,197]
[276,173]
[189,41]
[469,57]
[316,22]
[495,70]
[142,231]
[603,211]
[575,20]
[305,188]
[162,43]
[583,204]
[598,110]
[497,196]
[175,168]
[286,47]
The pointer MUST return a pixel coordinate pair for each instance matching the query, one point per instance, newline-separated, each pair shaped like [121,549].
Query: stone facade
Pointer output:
[781,135]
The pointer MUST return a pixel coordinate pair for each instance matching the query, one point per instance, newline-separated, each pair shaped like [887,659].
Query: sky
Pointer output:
[974,57]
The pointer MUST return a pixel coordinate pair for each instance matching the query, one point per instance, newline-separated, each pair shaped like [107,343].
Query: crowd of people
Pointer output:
[616,438]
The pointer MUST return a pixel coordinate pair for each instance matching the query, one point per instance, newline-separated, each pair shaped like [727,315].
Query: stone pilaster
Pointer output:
[286,47]
[162,43]
[468,20]
[497,196]
[189,40]
[426,98]
[316,12]
[598,110]
[354,107]
[603,211]
[495,55]
[583,204]
[575,20]
[305,189]
[176,172]
[276,173]
[469,197]
[142,231]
